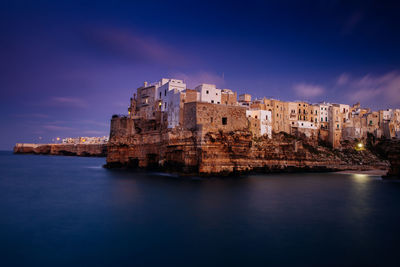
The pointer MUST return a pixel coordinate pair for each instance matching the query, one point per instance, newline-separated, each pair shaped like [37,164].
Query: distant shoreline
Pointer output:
[80,150]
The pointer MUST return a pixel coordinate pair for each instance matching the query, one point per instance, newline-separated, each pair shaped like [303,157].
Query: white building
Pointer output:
[166,85]
[265,118]
[173,99]
[388,114]
[209,93]
[324,112]
[345,111]
[304,125]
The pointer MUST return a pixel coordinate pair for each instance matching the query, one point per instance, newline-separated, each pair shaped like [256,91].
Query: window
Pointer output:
[338,126]
[266,117]
[165,105]
[207,92]
[216,93]
[160,95]
[218,102]
[211,119]
[224,121]
[212,101]
[326,118]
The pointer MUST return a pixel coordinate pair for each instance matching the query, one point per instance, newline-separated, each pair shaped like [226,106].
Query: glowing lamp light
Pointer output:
[360,145]
[58,138]
[83,140]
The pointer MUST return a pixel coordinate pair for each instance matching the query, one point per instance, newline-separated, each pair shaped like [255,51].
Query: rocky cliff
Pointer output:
[389,150]
[232,152]
[83,150]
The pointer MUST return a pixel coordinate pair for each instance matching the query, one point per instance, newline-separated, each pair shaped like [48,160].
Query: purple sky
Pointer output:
[66,67]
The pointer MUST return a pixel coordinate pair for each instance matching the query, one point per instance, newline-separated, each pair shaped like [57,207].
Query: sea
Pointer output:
[70,211]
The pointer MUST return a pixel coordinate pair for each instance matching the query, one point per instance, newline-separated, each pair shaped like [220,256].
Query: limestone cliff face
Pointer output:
[84,150]
[218,152]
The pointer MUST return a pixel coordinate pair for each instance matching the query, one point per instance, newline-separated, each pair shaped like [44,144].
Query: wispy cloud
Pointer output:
[304,90]
[194,79]
[343,79]
[50,127]
[128,44]
[68,102]
[96,133]
[32,115]
[372,89]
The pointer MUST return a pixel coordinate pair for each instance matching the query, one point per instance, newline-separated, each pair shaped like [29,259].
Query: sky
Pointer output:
[67,66]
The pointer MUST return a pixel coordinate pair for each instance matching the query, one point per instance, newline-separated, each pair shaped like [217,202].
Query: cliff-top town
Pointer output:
[208,108]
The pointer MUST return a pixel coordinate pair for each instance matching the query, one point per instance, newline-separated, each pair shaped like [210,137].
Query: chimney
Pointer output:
[145,84]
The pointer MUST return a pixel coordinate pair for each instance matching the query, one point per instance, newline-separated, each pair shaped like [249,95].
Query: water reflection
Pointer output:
[68,214]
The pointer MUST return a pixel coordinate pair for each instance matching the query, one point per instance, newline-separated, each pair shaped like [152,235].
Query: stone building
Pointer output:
[205,117]
[259,122]
[245,99]
[335,126]
[228,97]
[169,104]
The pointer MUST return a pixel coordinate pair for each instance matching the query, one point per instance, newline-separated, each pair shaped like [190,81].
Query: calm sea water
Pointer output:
[69,211]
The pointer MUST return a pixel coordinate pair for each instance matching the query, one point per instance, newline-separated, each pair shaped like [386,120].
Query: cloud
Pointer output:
[96,133]
[127,44]
[57,128]
[308,90]
[68,102]
[374,89]
[343,79]
[32,115]
[194,79]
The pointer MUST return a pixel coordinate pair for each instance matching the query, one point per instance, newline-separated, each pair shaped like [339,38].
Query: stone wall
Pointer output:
[214,117]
